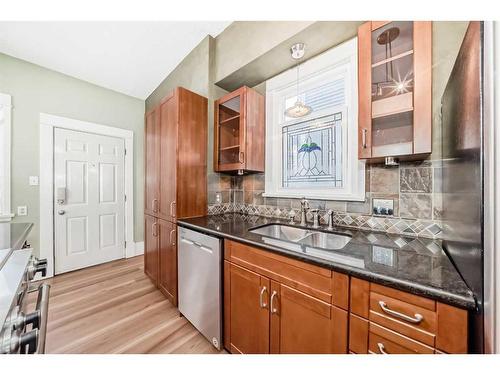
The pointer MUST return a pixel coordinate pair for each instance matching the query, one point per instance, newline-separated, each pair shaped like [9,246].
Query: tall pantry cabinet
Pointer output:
[175,180]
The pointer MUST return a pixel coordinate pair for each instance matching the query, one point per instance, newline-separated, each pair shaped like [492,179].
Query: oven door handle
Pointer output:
[42,305]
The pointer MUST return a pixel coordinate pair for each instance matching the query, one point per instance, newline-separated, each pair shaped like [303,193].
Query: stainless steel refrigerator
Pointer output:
[462,172]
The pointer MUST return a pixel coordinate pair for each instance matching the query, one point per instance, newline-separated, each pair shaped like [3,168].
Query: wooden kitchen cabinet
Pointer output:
[151,141]
[384,320]
[276,304]
[167,252]
[239,132]
[395,89]
[151,256]
[175,178]
[249,309]
[303,324]
[167,139]
[281,305]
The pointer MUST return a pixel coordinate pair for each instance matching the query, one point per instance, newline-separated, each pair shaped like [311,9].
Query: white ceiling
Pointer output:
[129,57]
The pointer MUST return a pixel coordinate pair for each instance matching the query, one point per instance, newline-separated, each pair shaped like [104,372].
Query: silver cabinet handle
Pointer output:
[154,229]
[154,204]
[262,303]
[416,320]
[241,157]
[274,310]
[172,242]
[363,137]
[381,348]
[172,211]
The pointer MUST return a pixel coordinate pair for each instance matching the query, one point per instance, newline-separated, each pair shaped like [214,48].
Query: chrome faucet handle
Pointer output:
[291,216]
[315,213]
[304,203]
[330,219]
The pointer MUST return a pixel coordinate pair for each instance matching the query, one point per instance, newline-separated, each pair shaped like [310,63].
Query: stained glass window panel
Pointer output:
[312,153]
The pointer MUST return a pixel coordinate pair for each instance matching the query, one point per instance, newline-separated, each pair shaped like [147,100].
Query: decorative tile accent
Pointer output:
[418,206]
[415,188]
[384,179]
[415,180]
[406,227]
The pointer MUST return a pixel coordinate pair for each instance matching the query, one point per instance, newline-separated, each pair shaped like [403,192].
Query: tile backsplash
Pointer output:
[414,187]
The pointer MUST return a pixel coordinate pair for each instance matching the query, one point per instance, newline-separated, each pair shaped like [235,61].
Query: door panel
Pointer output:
[151,167]
[151,247]
[249,319]
[89,199]
[303,324]
[167,278]
[168,158]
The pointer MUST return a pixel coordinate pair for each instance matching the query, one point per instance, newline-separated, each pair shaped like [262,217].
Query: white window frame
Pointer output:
[338,60]
[5,149]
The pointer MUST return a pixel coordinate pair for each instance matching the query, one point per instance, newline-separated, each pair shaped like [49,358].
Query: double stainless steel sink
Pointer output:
[304,236]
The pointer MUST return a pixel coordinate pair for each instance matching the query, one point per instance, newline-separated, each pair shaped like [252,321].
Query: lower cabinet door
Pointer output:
[301,323]
[151,248]
[249,311]
[167,278]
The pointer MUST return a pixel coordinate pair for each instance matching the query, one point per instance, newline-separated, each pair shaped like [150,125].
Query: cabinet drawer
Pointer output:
[384,341]
[305,277]
[403,317]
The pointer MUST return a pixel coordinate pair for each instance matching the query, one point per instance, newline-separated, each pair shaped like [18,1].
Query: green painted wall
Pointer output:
[35,89]
[192,73]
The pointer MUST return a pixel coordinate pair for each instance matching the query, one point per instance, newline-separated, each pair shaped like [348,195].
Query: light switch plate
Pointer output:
[34,180]
[22,210]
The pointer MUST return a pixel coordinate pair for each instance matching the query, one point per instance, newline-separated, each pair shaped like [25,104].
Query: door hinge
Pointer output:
[125,197]
[125,243]
[125,151]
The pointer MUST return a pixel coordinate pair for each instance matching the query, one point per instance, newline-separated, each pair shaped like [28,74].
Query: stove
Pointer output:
[21,331]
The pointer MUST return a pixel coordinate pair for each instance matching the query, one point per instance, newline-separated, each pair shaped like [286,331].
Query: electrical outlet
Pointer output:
[383,207]
[34,180]
[22,210]
[218,197]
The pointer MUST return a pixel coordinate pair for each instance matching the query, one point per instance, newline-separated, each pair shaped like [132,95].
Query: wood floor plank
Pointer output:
[115,308]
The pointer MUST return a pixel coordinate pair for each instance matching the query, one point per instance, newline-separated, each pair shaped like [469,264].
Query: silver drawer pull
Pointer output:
[416,320]
[381,348]
[263,304]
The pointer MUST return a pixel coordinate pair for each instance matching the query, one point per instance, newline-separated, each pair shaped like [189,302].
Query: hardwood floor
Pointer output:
[114,308]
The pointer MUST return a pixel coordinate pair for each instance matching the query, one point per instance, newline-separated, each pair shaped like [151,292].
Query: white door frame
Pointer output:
[47,125]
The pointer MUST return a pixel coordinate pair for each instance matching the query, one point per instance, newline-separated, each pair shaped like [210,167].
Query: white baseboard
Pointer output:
[139,248]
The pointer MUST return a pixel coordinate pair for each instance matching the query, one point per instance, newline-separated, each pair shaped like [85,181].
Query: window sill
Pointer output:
[5,218]
[319,196]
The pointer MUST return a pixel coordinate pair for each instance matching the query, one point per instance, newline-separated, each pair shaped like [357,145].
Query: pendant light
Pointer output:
[299,109]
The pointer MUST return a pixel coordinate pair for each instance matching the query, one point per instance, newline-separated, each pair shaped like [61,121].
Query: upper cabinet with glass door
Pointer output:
[239,132]
[395,89]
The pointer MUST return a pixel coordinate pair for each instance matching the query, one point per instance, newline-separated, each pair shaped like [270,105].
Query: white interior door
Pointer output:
[89,199]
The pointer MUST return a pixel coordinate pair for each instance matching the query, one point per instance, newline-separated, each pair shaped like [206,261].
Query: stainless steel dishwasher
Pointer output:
[200,289]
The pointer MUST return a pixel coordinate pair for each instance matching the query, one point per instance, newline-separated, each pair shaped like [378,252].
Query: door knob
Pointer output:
[61,212]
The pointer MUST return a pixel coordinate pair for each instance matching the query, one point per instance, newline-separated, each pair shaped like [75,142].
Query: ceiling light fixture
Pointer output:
[299,109]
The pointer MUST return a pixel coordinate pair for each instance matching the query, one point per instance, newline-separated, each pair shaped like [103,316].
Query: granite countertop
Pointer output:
[12,237]
[415,265]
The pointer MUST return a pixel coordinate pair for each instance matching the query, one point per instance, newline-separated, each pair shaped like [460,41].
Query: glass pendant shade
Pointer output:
[299,109]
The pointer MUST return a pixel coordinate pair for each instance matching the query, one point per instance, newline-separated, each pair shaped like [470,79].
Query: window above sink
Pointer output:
[315,155]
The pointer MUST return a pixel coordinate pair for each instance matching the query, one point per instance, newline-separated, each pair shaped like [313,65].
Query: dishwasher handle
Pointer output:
[198,245]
